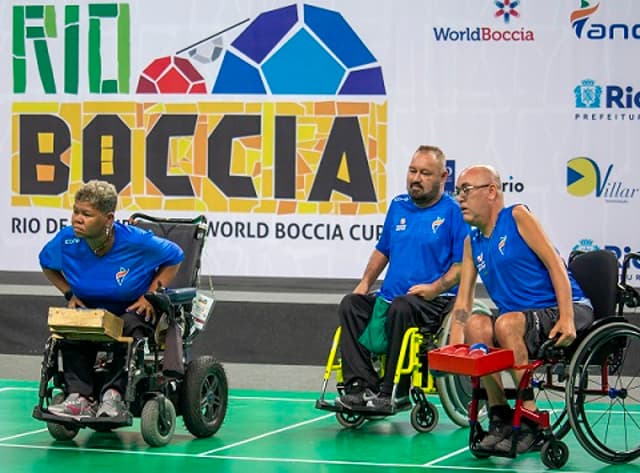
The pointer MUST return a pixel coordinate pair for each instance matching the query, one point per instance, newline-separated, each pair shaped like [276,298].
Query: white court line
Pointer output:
[258,398]
[444,457]
[283,460]
[12,388]
[266,434]
[24,434]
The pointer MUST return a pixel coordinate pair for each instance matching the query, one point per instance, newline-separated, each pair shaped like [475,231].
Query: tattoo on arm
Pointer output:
[461,316]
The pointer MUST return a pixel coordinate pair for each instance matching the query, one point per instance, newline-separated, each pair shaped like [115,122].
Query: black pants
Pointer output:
[79,357]
[404,312]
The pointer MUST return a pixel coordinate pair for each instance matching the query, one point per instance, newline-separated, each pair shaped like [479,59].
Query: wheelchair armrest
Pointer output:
[166,299]
[183,295]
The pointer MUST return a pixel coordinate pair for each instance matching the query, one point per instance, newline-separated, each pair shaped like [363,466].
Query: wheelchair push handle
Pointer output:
[626,261]
[150,218]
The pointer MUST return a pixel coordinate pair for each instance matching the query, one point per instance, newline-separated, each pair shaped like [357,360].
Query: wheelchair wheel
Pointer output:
[549,384]
[157,430]
[204,397]
[350,420]
[455,391]
[603,391]
[62,432]
[554,454]
[424,417]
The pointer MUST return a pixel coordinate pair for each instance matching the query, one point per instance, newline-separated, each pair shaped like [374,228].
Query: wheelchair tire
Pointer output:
[62,432]
[554,454]
[455,391]
[424,417]
[601,408]
[350,420]
[155,431]
[204,396]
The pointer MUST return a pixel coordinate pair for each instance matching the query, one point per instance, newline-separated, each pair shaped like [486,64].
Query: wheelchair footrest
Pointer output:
[95,423]
[362,410]
[329,406]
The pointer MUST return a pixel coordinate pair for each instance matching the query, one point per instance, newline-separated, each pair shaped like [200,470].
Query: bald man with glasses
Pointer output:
[536,296]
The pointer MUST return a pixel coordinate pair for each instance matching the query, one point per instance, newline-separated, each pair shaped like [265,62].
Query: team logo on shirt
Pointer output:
[402,226]
[120,275]
[436,224]
[501,244]
[480,263]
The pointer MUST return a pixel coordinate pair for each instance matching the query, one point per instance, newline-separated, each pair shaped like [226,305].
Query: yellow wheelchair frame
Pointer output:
[412,361]
[455,392]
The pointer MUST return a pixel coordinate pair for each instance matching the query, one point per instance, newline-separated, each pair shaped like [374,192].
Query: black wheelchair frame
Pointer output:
[199,394]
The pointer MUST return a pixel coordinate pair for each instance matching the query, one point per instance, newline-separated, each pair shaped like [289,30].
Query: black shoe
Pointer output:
[499,428]
[356,399]
[382,402]
[526,439]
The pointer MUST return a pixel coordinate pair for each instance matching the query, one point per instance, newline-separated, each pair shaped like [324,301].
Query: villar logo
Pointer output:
[588,94]
[584,178]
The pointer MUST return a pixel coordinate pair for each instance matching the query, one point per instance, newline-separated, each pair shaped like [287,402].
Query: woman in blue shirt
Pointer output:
[100,263]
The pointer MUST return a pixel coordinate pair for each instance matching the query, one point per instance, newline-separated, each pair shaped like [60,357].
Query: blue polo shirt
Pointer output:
[117,279]
[420,243]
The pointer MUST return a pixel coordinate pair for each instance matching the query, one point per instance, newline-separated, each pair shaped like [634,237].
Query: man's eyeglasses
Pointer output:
[464,190]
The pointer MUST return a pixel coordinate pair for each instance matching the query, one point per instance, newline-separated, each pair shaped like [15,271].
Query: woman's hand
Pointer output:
[143,307]
[75,303]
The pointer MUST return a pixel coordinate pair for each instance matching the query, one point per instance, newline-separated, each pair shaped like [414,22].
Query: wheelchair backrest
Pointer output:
[597,274]
[189,234]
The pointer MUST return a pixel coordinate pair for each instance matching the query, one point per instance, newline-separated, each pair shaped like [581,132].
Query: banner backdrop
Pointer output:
[290,125]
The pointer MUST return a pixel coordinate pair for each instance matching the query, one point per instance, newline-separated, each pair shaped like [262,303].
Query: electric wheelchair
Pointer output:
[454,391]
[195,388]
[591,388]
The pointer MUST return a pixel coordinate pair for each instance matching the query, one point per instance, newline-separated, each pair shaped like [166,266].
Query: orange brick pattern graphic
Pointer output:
[252,156]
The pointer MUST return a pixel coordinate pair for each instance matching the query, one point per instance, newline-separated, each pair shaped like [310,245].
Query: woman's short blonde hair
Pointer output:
[101,194]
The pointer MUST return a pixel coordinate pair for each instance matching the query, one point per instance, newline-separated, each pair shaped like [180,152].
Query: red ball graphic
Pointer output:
[171,75]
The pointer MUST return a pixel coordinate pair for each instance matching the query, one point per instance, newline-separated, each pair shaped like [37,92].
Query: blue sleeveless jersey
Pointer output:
[420,243]
[515,278]
[117,279]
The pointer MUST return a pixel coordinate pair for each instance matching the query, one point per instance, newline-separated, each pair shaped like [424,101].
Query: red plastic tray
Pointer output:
[446,360]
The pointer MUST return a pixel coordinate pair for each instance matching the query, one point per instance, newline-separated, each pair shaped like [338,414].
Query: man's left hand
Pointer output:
[566,330]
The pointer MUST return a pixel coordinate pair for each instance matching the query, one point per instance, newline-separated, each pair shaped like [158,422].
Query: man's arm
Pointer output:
[442,284]
[533,234]
[466,292]
[377,262]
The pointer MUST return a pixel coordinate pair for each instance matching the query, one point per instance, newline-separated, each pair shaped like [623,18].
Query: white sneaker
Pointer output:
[111,404]
[74,405]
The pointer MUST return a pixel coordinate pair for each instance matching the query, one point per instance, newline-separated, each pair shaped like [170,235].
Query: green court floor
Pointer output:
[264,432]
